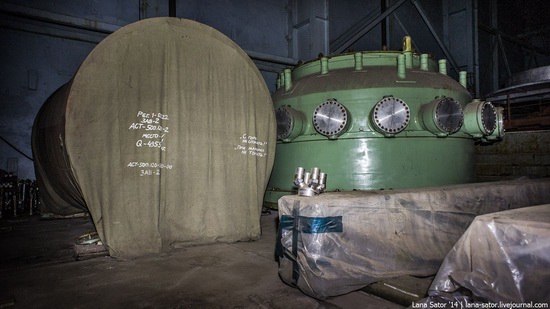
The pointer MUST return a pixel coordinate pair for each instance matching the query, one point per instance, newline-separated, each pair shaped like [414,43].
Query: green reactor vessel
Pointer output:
[377,120]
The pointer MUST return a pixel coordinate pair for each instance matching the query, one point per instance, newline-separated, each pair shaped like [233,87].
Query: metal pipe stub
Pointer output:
[310,183]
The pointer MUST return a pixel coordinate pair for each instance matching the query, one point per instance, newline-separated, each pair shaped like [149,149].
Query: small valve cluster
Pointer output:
[310,183]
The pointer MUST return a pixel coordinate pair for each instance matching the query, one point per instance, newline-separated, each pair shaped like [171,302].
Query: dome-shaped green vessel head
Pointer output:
[373,120]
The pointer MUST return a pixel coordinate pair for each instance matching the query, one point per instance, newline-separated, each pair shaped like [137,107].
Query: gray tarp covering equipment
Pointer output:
[503,257]
[166,134]
[335,243]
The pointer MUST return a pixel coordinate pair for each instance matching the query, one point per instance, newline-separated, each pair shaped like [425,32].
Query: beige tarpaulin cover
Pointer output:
[169,132]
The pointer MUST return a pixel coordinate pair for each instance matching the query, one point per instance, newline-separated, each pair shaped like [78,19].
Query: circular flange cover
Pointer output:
[488,117]
[284,122]
[330,118]
[391,115]
[449,115]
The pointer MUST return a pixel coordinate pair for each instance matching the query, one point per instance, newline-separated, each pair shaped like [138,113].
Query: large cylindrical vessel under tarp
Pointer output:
[166,134]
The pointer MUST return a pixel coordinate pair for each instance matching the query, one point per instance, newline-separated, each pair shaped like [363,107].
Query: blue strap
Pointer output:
[307,225]
[313,225]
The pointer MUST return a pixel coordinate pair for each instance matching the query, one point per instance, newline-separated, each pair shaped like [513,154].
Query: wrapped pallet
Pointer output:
[503,258]
[166,135]
[338,242]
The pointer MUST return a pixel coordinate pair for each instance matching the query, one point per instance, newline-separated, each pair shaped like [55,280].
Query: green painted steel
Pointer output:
[363,156]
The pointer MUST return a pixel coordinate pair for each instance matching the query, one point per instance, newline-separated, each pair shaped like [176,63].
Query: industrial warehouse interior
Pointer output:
[274,154]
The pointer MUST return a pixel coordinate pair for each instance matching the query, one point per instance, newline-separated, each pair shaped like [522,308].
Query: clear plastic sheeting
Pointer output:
[339,242]
[502,258]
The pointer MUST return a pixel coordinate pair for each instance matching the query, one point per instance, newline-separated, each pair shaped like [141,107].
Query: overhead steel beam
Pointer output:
[514,40]
[337,49]
[436,37]
[475,50]
[19,24]
[254,55]
[172,8]
[353,29]
[400,24]
[56,18]
[102,29]
[495,66]
[309,28]
[385,25]
[504,57]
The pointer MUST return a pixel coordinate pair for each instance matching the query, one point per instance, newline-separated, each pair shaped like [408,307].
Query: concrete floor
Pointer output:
[37,270]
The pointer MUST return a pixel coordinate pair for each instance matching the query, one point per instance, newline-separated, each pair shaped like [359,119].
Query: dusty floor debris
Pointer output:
[38,270]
